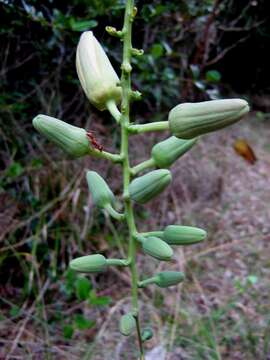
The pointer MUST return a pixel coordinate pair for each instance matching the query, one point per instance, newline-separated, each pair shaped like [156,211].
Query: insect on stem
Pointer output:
[94,141]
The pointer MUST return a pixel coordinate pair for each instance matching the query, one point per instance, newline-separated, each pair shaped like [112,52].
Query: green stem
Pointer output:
[117,262]
[115,158]
[158,234]
[139,238]
[144,283]
[114,214]
[154,126]
[142,166]
[125,121]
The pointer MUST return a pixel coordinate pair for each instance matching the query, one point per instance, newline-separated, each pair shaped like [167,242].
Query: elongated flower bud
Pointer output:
[183,235]
[96,74]
[89,263]
[193,119]
[157,248]
[127,324]
[169,278]
[166,152]
[71,139]
[144,188]
[102,194]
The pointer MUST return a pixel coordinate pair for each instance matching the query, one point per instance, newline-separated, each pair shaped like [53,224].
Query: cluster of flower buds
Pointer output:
[186,123]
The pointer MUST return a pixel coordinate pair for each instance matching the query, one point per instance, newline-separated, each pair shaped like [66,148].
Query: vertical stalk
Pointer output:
[125,121]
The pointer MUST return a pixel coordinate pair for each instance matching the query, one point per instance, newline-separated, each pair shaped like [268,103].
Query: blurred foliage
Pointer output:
[193,50]
[177,36]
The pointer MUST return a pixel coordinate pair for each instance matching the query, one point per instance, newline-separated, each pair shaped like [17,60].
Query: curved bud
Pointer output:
[89,263]
[169,278]
[166,152]
[183,235]
[147,334]
[189,120]
[72,139]
[144,188]
[157,248]
[127,324]
[97,76]
[102,194]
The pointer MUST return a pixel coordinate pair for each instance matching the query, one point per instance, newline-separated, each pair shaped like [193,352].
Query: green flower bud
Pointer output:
[97,76]
[189,120]
[147,334]
[89,263]
[127,324]
[166,152]
[71,139]
[183,235]
[157,248]
[101,193]
[168,278]
[144,188]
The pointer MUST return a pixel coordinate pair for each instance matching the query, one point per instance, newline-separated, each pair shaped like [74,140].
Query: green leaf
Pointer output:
[15,310]
[82,25]
[70,281]
[252,279]
[68,331]
[14,170]
[83,287]
[82,323]
[99,300]
[157,51]
[213,76]
[37,163]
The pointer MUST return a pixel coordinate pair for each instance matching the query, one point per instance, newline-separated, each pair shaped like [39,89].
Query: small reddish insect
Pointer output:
[93,141]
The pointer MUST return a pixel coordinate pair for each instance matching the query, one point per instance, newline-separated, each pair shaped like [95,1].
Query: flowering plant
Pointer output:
[186,122]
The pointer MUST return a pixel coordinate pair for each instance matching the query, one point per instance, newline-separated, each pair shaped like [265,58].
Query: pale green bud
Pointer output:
[146,187]
[127,324]
[72,139]
[190,120]
[97,76]
[183,235]
[89,263]
[169,278]
[101,193]
[166,152]
[157,248]
[147,334]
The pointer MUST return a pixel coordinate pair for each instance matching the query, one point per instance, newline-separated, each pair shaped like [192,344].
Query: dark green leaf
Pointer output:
[68,331]
[213,76]
[82,323]
[83,287]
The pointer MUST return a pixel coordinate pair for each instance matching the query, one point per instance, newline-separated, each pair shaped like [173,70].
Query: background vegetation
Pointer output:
[194,50]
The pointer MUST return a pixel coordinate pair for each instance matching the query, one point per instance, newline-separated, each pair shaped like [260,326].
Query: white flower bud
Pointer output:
[97,76]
